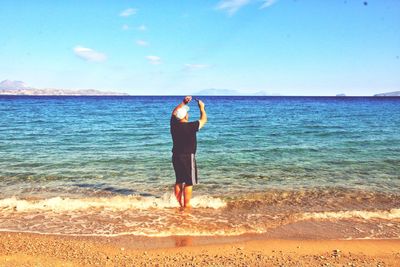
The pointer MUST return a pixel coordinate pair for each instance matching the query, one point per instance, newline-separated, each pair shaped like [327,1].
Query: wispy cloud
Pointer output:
[89,54]
[125,27]
[155,60]
[128,12]
[232,6]
[142,28]
[142,43]
[268,3]
[191,67]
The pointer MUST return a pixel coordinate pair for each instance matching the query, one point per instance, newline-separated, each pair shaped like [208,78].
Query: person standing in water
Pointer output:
[184,140]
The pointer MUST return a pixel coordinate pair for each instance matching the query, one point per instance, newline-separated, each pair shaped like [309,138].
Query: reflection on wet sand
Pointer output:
[183,241]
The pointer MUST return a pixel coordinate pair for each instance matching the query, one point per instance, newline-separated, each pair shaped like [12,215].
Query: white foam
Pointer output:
[141,233]
[381,214]
[59,204]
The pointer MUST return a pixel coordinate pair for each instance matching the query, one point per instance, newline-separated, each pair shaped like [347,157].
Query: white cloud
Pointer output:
[268,3]
[125,27]
[142,28]
[196,66]
[89,54]
[142,43]
[154,60]
[128,12]
[232,6]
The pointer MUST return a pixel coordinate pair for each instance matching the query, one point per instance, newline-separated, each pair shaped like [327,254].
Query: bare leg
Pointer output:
[187,195]
[178,193]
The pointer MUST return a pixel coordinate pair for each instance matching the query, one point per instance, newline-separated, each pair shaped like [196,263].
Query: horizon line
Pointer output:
[244,95]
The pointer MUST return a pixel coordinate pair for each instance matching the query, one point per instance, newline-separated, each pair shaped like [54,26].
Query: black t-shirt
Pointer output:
[184,136]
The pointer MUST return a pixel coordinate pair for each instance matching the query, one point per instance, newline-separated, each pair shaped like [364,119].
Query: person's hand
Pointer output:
[201,104]
[187,99]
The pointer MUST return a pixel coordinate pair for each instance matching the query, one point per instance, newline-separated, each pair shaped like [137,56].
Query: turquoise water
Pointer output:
[316,149]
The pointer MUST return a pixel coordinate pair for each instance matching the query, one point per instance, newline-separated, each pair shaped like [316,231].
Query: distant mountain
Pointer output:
[12,85]
[339,95]
[8,87]
[260,93]
[396,93]
[227,92]
[217,92]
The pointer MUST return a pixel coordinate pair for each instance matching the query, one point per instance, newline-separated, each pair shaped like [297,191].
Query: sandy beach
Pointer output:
[22,249]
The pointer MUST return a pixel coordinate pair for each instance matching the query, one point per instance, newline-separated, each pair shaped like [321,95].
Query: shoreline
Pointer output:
[378,96]
[28,249]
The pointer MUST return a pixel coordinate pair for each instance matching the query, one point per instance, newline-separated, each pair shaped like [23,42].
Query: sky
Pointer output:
[167,47]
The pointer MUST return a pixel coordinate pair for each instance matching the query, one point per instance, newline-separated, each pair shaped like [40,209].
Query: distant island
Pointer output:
[8,87]
[216,92]
[227,92]
[396,93]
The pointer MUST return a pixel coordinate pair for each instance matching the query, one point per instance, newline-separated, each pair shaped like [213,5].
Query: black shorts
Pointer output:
[185,168]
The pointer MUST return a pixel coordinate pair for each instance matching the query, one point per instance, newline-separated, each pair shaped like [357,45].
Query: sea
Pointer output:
[280,167]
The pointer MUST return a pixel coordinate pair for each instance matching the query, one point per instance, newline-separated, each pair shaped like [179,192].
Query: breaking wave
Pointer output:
[116,203]
[391,214]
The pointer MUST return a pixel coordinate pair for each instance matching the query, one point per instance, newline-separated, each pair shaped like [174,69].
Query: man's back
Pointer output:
[184,136]
[184,147]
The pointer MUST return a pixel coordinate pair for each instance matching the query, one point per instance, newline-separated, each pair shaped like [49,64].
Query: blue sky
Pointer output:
[284,47]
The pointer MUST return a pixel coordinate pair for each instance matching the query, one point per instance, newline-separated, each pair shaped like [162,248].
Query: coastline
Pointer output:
[26,249]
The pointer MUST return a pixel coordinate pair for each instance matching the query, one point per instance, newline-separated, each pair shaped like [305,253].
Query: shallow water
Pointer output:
[102,165]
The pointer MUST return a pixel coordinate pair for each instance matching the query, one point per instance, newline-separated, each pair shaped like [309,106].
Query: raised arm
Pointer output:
[185,101]
[203,114]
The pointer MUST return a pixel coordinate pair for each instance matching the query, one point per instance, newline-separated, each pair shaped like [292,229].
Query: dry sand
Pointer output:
[22,249]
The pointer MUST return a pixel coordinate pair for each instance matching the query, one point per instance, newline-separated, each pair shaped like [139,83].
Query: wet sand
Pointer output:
[23,249]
